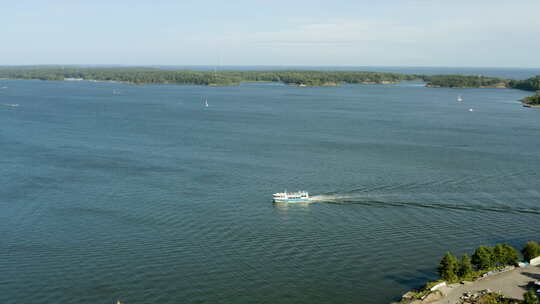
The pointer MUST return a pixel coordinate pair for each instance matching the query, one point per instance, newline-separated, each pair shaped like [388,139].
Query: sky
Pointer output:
[473,33]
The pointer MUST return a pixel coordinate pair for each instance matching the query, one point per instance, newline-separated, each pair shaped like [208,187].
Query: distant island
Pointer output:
[532,101]
[301,78]
[141,75]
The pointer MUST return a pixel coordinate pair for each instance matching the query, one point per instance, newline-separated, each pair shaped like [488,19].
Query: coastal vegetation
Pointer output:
[533,100]
[484,261]
[530,297]
[530,84]
[531,250]
[161,76]
[465,81]
[149,75]
[490,297]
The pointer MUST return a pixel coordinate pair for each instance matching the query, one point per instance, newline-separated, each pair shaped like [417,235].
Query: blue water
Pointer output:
[144,195]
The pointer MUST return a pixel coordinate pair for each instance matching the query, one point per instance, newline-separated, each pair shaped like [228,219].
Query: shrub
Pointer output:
[530,297]
[531,250]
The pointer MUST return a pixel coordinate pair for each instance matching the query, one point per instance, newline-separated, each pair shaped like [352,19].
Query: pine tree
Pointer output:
[510,255]
[465,267]
[483,257]
[498,255]
[448,268]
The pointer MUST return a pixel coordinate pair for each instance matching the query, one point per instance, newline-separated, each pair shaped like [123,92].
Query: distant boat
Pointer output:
[471,110]
[206,103]
[13,105]
[291,197]
[459,98]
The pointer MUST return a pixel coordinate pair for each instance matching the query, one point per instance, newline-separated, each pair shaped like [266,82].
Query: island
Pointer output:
[531,84]
[300,78]
[465,81]
[532,101]
[147,75]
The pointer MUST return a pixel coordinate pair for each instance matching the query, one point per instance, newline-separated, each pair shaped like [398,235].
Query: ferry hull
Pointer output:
[290,197]
[303,200]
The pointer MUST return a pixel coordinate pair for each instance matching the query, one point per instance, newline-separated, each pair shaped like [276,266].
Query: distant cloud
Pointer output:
[277,32]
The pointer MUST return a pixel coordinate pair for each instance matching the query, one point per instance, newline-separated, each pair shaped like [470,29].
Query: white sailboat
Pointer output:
[206,102]
[459,98]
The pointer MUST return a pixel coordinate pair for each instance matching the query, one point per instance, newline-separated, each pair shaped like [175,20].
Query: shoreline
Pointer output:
[300,85]
[489,272]
[298,78]
[511,283]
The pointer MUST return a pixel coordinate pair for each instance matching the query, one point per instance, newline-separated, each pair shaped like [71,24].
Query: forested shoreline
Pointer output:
[141,75]
[149,75]
[485,261]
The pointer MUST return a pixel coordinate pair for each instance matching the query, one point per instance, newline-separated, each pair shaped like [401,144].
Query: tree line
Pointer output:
[532,100]
[148,75]
[483,259]
[138,75]
[465,81]
[530,84]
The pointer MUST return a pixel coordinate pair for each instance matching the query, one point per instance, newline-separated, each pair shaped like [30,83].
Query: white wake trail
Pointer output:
[336,197]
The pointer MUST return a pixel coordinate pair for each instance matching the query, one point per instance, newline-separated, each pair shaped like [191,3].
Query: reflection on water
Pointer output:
[283,208]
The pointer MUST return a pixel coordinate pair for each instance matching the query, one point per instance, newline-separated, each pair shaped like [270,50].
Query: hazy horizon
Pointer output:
[210,66]
[278,33]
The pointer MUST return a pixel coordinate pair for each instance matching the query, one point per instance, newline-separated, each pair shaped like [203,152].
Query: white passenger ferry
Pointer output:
[291,197]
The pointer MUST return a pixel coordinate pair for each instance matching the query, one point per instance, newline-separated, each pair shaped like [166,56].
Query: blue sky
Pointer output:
[272,32]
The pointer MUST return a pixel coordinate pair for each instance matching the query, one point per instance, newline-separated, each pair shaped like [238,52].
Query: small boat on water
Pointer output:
[205,103]
[459,98]
[291,197]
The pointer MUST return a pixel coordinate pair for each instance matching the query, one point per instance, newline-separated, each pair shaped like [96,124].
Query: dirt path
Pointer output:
[511,284]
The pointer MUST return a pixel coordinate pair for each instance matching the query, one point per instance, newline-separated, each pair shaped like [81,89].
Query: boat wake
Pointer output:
[365,200]
[336,197]
[13,105]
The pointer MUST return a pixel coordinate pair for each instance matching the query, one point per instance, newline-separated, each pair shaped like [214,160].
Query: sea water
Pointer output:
[141,194]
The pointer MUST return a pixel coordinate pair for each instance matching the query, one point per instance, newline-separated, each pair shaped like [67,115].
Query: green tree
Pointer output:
[530,297]
[511,256]
[448,268]
[499,255]
[504,254]
[465,267]
[483,257]
[531,250]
